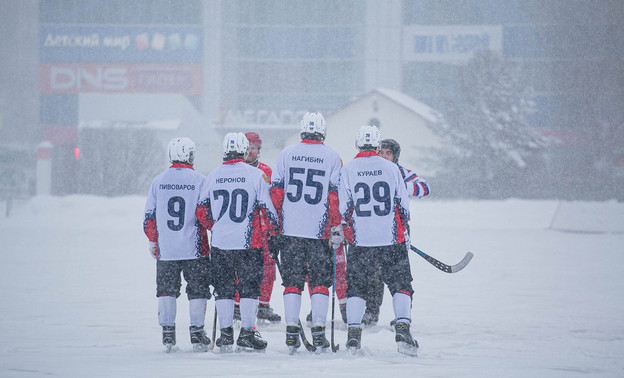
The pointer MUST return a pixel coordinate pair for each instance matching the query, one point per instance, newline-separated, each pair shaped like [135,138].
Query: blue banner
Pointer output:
[120,44]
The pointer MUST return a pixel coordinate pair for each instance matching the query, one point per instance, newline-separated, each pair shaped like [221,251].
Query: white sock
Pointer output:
[197,311]
[292,307]
[356,307]
[166,310]
[402,305]
[320,304]
[225,312]
[248,310]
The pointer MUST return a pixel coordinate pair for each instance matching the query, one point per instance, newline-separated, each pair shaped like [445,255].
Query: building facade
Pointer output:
[216,65]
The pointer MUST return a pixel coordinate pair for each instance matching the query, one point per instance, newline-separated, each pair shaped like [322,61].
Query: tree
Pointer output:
[488,142]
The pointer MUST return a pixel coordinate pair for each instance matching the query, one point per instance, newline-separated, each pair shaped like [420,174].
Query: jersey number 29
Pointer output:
[379,195]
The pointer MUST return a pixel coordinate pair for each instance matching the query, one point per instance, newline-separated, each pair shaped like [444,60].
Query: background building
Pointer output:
[92,74]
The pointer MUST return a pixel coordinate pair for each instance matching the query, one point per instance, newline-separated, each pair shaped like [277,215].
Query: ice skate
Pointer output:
[405,343]
[168,337]
[265,313]
[292,339]
[226,340]
[354,339]
[319,340]
[199,339]
[249,340]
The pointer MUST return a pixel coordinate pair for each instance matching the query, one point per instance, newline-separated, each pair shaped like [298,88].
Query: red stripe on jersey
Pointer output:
[266,169]
[320,290]
[202,212]
[404,292]
[277,197]
[181,165]
[234,161]
[400,226]
[256,230]
[292,290]
[311,141]
[205,245]
[366,153]
[333,212]
[415,188]
[149,227]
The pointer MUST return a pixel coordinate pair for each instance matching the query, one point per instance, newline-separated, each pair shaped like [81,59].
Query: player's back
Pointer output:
[307,172]
[375,189]
[174,195]
[233,190]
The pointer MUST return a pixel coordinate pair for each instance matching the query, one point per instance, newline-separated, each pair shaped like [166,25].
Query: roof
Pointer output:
[427,113]
[411,104]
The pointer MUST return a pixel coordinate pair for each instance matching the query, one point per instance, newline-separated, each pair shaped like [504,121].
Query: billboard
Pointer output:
[111,78]
[65,43]
[449,43]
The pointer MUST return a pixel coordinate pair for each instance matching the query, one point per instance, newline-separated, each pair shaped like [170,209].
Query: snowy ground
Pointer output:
[543,297]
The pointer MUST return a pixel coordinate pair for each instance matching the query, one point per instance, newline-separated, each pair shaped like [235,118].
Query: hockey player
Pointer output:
[416,188]
[265,312]
[179,243]
[235,204]
[375,205]
[304,191]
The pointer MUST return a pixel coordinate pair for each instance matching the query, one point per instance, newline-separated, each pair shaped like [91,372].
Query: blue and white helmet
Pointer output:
[367,137]
[314,124]
[235,144]
[181,150]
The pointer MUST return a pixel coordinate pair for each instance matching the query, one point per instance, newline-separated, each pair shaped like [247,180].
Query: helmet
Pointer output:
[253,138]
[181,150]
[313,126]
[235,145]
[367,137]
[393,146]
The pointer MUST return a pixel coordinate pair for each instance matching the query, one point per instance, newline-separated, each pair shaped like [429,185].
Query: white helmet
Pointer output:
[235,144]
[313,123]
[367,137]
[181,150]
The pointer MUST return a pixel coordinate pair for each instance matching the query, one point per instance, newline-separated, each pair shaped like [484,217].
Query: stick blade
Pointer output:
[462,264]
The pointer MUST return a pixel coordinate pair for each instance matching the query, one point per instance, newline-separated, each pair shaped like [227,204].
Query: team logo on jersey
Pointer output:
[264,176]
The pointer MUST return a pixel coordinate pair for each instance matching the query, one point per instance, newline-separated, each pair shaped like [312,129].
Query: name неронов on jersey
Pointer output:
[222,180]
[369,173]
[176,187]
[308,159]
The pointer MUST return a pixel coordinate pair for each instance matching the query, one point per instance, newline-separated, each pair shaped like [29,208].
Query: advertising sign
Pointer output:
[81,78]
[120,44]
[449,43]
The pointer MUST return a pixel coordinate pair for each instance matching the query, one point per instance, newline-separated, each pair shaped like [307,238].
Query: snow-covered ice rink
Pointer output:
[543,297]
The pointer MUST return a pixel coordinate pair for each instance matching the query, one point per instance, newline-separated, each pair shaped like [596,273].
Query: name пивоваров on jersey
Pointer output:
[176,187]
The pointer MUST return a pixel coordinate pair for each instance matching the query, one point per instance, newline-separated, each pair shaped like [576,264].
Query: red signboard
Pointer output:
[103,78]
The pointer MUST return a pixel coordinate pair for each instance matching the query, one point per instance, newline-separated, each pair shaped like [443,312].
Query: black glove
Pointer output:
[275,244]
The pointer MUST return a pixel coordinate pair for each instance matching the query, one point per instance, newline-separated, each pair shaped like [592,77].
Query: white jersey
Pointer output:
[416,186]
[373,200]
[171,204]
[304,188]
[231,194]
